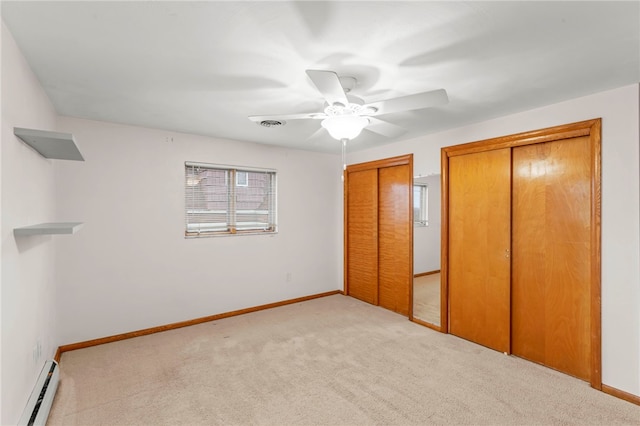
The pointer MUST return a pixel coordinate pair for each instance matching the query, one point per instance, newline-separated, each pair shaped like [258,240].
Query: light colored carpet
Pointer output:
[426,298]
[328,361]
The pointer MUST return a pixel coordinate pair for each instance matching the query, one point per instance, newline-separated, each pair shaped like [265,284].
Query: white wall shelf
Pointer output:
[60,146]
[49,229]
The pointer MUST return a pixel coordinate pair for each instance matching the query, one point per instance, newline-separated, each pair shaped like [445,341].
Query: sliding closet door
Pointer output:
[553,308]
[361,262]
[479,247]
[394,230]
[379,232]
[551,254]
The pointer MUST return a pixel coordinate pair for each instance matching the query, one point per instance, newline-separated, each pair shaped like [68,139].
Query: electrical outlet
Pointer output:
[288,277]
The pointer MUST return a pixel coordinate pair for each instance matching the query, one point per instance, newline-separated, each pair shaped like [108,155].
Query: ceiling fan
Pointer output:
[346,115]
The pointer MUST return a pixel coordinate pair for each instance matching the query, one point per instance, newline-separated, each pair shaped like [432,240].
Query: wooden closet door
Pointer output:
[551,254]
[479,244]
[362,235]
[394,233]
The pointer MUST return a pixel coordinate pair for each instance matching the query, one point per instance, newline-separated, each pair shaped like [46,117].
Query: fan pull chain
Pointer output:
[344,157]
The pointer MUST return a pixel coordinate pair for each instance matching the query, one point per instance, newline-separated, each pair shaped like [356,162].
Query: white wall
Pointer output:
[27,291]
[426,239]
[619,110]
[131,268]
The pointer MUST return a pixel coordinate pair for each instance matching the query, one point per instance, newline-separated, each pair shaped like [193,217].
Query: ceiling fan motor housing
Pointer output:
[354,107]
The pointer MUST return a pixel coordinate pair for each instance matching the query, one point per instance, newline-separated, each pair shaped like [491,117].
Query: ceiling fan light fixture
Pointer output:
[345,126]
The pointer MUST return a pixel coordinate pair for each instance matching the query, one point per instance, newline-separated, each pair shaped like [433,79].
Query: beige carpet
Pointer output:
[426,298]
[328,361]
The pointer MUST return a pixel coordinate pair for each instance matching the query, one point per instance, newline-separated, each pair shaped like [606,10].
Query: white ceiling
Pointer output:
[203,67]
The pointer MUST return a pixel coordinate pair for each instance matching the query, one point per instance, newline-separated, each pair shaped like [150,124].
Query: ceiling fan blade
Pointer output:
[328,84]
[410,102]
[384,128]
[283,117]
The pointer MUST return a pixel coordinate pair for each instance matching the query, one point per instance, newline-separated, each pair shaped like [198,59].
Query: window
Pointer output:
[420,205]
[222,200]
[242,178]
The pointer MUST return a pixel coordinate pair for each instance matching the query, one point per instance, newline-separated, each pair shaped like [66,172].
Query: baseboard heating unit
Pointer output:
[37,410]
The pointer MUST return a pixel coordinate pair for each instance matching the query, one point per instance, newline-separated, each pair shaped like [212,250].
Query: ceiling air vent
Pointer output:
[271,123]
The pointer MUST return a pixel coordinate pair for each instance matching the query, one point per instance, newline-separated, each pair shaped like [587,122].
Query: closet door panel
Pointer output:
[479,245]
[362,235]
[551,254]
[395,227]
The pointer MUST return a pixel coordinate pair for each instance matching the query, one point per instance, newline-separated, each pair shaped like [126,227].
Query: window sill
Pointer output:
[227,234]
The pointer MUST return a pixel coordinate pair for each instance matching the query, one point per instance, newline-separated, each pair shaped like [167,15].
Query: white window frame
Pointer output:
[196,223]
[242,182]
